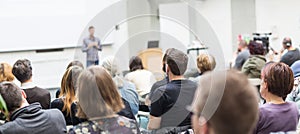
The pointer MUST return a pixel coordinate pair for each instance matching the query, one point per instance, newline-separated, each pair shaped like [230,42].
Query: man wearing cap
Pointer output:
[293,53]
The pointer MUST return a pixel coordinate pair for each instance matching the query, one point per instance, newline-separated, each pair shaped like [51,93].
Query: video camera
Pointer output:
[264,38]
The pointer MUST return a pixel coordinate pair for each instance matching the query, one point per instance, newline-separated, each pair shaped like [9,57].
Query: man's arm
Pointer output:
[156,110]
[154,122]
[84,46]
[99,46]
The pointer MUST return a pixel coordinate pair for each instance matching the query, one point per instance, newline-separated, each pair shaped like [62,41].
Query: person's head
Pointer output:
[177,62]
[13,96]
[6,72]
[75,63]
[22,70]
[242,44]
[206,62]
[92,30]
[135,63]
[287,42]
[237,111]
[111,65]
[256,48]
[97,94]
[68,87]
[164,60]
[277,80]
[296,68]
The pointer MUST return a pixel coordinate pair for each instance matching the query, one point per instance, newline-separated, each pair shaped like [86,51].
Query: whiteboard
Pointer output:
[40,24]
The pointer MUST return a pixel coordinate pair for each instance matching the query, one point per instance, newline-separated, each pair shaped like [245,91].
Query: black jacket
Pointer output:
[33,120]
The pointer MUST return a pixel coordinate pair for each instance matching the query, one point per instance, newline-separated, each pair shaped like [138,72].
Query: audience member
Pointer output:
[277,115]
[126,88]
[234,114]
[66,101]
[292,55]
[253,66]
[294,96]
[161,82]
[169,102]
[205,63]
[6,73]
[142,78]
[98,102]
[22,70]
[27,118]
[243,55]
[73,63]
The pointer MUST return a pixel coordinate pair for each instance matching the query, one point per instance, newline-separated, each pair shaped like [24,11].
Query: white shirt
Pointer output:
[143,80]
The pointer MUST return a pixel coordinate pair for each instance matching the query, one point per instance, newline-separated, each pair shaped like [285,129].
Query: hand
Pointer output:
[282,50]
[95,44]
[90,45]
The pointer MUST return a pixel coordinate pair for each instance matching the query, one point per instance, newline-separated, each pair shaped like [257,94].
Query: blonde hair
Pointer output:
[68,87]
[6,72]
[97,94]
[206,62]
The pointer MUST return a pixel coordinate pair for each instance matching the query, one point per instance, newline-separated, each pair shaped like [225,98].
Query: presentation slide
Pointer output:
[42,24]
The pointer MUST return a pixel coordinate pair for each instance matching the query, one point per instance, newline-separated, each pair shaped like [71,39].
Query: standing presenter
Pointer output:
[91,45]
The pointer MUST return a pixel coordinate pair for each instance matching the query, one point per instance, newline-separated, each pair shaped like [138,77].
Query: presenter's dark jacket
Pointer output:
[33,119]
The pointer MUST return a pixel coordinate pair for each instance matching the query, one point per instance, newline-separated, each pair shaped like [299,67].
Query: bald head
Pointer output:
[287,42]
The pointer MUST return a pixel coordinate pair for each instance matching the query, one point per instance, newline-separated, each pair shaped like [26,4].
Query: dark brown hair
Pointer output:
[177,61]
[279,78]
[22,70]
[256,48]
[236,111]
[97,94]
[135,63]
[91,27]
[12,95]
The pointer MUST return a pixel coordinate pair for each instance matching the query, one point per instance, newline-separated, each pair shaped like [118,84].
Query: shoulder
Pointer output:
[57,103]
[9,127]
[54,113]
[42,90]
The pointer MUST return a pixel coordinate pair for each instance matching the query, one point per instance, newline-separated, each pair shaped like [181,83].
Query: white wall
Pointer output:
[280,16]
[218,15]
[48,68]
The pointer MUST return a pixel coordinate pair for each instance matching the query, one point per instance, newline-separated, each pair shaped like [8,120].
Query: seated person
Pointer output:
[169,102]
[233,113]
[243,55]
[277,115]
[6,73]
[73,63]
[294,96]
[161,82]
[205,63]
[98,102]
[22,70]
[27,118]
[66,101]
[142,78]
[292,55]
[126,88]
[253,66]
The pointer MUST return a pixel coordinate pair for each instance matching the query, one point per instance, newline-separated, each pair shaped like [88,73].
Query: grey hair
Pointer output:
[110,64]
